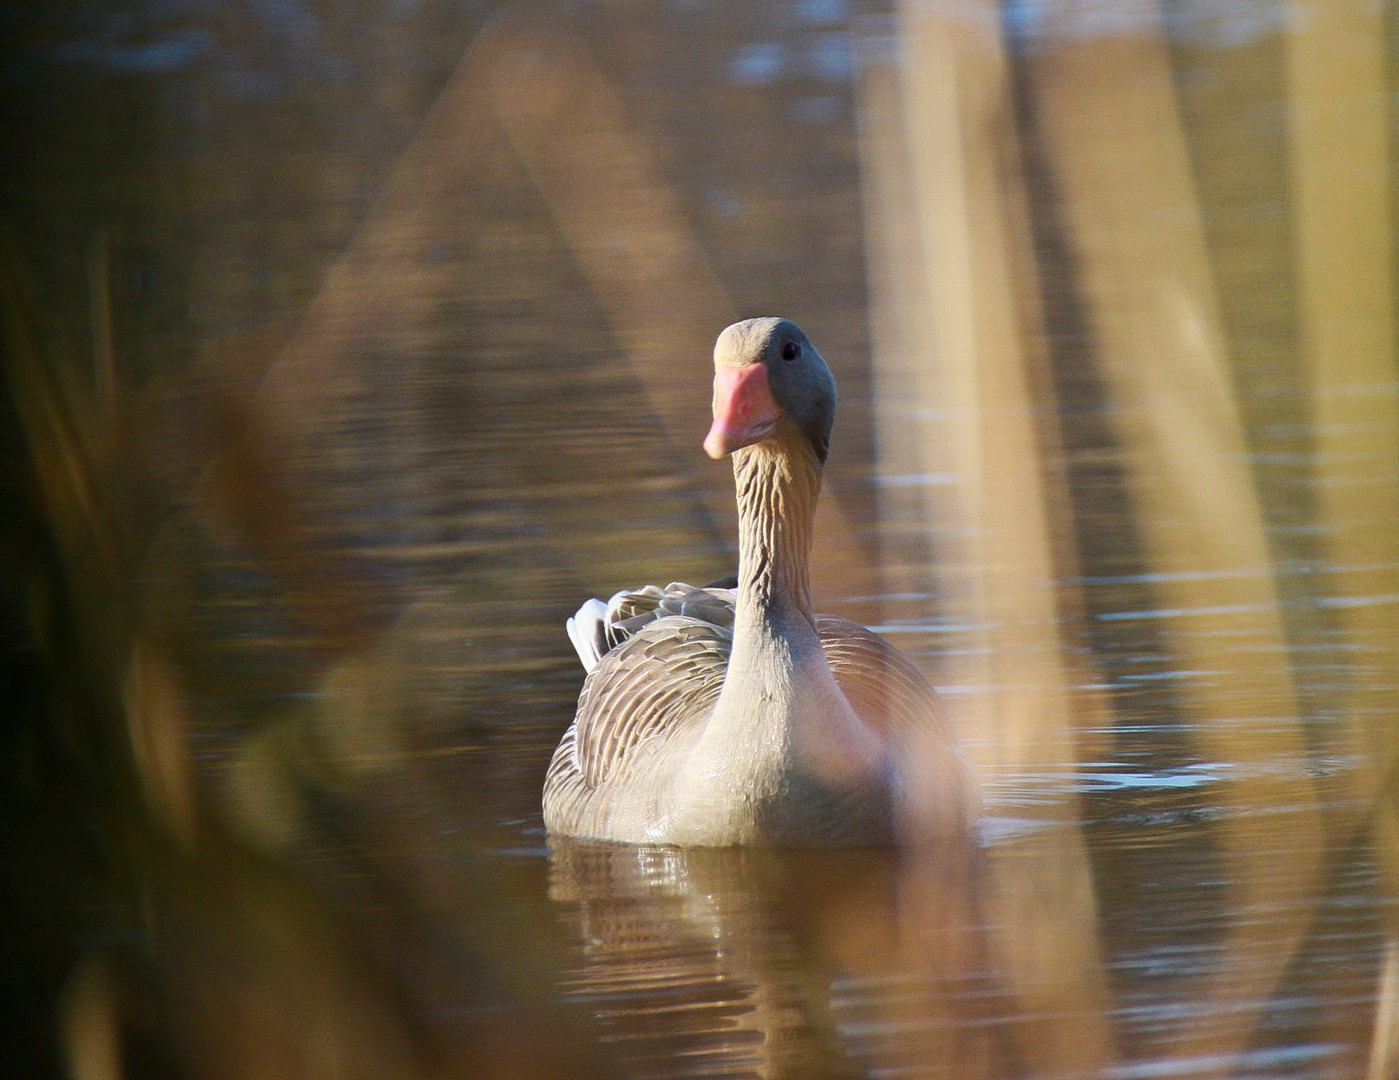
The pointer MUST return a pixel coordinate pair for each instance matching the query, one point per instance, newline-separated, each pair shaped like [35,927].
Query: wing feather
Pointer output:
[882,685]
[598,628]
[666,676]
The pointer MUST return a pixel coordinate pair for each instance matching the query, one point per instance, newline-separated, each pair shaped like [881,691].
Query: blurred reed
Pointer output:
[1340,87]
[953,278]
[959,355]
[624,225]
[224,959]
[1119,154]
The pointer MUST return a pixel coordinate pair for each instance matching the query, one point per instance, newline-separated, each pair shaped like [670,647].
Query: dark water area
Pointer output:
[349,348]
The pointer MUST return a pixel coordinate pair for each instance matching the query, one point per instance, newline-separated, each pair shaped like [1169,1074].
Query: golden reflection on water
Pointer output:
[780,963]
[322,427]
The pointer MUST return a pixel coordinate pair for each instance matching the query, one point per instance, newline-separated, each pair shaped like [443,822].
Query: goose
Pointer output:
[733,714]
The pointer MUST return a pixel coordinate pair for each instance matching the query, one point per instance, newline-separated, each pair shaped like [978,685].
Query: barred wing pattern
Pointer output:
[881,684]
[657,688]
[667,675]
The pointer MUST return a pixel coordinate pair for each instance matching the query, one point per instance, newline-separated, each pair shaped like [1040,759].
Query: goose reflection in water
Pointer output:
[781,962]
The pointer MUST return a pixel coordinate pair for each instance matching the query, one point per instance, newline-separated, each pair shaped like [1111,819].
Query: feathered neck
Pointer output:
[777,481]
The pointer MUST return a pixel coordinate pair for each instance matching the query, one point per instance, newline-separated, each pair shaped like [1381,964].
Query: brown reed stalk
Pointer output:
[956,359]
[1340,118]
[624,224]
[1114,137]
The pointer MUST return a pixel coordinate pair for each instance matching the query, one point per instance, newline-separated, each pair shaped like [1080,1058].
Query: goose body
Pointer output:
[718,716]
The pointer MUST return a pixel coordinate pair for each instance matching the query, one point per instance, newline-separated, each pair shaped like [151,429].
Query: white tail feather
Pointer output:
[585,631]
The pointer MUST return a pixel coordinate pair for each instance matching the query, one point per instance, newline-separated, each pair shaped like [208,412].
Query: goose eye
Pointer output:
[791,350]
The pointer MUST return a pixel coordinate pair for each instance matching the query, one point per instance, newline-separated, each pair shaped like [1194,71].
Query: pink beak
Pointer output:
[744,409]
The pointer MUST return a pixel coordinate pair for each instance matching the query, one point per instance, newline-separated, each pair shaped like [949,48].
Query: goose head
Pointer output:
[769,383]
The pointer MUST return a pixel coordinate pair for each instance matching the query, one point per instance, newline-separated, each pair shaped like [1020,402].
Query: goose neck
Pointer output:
[777,487]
